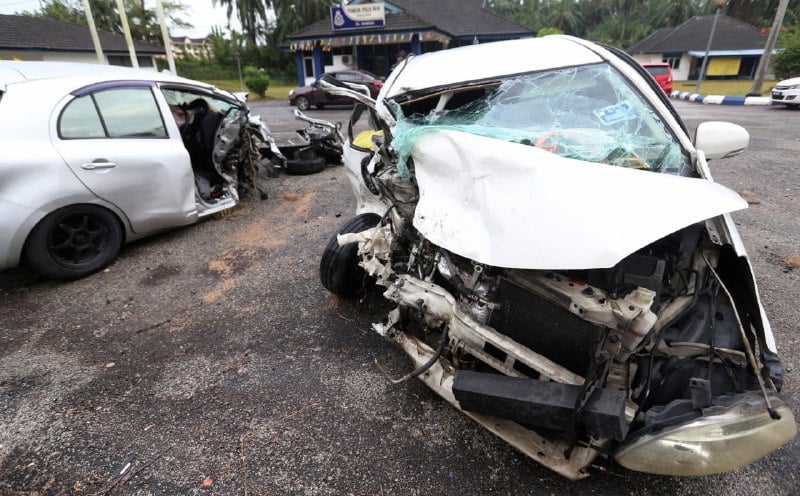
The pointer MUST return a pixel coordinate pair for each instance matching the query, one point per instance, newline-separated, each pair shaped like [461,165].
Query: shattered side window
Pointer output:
[588,113]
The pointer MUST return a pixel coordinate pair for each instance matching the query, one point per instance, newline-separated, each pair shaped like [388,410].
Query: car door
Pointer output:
[115,140]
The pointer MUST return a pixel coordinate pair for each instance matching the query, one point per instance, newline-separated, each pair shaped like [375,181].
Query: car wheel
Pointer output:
[74,241]
[338,269]
[305,162]
[302,103]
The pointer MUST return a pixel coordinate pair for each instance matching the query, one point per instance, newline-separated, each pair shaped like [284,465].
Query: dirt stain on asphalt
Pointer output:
[303,201]
[229,267]
[253,239]
[160,274]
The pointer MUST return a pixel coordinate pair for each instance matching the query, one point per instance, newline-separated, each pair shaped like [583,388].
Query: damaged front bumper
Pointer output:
[548,452]
[727,435]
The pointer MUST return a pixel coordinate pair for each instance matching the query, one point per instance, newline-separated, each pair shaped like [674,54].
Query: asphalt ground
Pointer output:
[211,359]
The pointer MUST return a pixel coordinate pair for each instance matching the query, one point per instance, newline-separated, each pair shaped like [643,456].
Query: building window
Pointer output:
[674,62]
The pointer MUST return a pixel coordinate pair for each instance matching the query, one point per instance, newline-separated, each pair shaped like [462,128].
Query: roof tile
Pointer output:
[41,33]
[692,35]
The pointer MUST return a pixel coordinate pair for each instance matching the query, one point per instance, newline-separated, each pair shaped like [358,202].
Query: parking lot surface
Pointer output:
[212,361]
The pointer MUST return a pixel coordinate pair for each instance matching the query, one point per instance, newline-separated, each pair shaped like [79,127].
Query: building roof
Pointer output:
[453,18]
[185,39]
[42,33]
[729,35]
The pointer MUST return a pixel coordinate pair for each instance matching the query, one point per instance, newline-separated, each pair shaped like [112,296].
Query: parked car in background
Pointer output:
[662,72]
[312,94]
[506,207]
[95,156]
[787,92]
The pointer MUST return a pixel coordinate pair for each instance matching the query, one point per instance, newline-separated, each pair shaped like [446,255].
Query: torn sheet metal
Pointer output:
[517,206]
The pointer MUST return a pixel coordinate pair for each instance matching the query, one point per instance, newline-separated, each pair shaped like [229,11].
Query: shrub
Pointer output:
[548,31]
[256,80]
[786,63]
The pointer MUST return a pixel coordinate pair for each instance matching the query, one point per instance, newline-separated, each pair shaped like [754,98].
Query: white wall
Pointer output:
[87,58]
[82,57]
[679,74]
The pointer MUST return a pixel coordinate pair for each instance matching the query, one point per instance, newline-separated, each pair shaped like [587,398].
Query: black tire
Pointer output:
[338,269]
[74,241]
[304,162]
[302,103]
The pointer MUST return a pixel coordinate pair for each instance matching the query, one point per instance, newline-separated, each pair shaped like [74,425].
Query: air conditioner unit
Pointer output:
[347,59]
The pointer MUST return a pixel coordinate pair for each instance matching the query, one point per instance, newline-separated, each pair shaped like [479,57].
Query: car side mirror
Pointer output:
[720,140]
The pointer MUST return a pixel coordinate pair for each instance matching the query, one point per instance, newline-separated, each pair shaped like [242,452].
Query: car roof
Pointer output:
[13,72]
[499,58]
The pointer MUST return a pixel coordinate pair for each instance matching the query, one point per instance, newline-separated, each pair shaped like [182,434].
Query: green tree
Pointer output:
[252,15]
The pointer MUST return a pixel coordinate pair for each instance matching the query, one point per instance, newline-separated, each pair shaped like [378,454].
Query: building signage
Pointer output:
[362,15]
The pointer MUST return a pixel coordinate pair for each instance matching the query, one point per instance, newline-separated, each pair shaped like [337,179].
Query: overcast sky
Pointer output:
[200,13]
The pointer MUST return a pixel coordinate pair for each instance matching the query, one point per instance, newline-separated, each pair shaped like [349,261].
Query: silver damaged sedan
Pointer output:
[96,156]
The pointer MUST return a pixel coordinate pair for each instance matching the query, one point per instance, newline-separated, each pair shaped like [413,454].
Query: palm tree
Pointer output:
[252,15]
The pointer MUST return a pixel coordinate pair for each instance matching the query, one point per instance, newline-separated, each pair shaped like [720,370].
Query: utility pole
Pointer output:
[763,63]
[123,17]
[165,35]
[87,10]
[703,66]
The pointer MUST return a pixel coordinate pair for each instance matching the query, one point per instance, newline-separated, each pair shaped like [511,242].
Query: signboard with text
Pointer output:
[357,16]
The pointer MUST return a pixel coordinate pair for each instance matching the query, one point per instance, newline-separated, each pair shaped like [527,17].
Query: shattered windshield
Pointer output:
[588,113]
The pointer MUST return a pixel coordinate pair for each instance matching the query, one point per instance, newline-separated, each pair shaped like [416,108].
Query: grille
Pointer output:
[544,327]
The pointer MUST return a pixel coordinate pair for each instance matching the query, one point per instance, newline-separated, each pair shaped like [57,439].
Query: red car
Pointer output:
[662,72]
[312,94]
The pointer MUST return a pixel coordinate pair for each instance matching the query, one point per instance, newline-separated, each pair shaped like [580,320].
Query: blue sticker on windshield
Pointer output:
[615,113]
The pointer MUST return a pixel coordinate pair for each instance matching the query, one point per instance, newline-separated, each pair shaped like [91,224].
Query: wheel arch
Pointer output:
[127,234]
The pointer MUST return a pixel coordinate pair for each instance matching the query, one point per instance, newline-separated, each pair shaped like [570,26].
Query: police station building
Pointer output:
[369,34]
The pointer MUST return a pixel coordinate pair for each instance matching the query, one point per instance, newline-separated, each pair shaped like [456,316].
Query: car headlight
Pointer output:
[793,87]
[291,92]
[709,445]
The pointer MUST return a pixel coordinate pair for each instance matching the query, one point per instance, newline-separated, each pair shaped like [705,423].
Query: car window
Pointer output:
[657,70]
[80,120]
[346,76]
[182,97]
[113,113]
[362,128]
[589,113]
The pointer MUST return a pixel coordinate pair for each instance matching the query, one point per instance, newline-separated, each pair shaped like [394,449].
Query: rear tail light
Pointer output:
[378,84]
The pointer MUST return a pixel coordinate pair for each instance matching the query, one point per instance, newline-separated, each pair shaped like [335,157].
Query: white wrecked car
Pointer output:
[565,271]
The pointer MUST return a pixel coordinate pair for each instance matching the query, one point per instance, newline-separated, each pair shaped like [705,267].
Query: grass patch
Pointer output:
[278,90]
[730,87]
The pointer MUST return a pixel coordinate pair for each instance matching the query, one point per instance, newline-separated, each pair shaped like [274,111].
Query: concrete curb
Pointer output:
[721,99]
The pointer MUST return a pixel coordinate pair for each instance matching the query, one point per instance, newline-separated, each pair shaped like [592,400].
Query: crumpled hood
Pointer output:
[516,206]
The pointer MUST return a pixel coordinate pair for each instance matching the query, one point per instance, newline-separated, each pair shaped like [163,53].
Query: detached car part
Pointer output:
[314,147]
